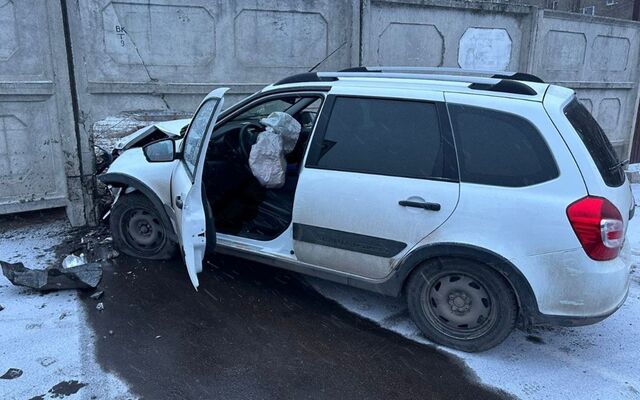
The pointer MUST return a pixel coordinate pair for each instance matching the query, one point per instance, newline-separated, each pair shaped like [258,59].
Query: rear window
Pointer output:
[596,143]
[499,149]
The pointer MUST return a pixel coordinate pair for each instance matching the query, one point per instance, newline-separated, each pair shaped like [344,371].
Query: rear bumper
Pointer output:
[571,289]
[539,319]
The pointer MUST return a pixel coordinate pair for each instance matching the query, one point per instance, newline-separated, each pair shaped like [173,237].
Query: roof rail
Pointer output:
[506,86]
[493,83]
[518,76]
[304,77]
[398,75]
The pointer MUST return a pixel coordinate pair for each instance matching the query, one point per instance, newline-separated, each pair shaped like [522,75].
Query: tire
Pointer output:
[461,304]
[138,230]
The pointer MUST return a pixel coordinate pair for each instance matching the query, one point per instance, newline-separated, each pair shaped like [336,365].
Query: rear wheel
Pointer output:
[138,229]
[461,304]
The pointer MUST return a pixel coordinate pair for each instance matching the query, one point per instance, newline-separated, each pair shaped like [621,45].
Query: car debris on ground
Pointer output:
[100,306]
[86,276]
[81,269]
[72,260]
[97,295]
[12,373]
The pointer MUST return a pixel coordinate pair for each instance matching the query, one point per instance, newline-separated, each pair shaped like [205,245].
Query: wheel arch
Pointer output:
[527,303]
[125,181]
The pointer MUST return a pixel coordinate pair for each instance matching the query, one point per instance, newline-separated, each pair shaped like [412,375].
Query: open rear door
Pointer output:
[186,184]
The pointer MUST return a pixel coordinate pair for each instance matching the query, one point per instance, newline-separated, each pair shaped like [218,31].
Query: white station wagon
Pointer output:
[486,201]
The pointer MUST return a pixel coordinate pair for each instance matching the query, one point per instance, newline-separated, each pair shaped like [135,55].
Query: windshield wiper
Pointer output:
[619,164]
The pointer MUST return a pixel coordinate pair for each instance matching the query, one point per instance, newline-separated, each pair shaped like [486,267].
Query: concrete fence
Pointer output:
[70,67]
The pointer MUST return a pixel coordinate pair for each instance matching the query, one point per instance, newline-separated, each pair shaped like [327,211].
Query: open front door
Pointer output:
[186,184]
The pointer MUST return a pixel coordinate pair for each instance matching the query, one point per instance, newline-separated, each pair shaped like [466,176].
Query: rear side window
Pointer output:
[499,149]
[382,136]
[596,143]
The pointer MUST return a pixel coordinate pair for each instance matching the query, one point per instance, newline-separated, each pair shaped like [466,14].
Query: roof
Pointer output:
[501,84]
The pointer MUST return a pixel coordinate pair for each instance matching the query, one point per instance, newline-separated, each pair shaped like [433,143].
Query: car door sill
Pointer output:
[254,253]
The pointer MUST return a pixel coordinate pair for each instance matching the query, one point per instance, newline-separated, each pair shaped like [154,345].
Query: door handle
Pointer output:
[420,204]
[179,203]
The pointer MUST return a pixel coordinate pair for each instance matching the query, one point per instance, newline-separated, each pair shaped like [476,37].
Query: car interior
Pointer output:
[241,205]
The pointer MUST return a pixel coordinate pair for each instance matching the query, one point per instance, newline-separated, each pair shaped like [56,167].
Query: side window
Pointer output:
[197,131]
[500,149]
[382,136]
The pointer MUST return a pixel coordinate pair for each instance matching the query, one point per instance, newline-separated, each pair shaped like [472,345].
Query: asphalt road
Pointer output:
[252,331]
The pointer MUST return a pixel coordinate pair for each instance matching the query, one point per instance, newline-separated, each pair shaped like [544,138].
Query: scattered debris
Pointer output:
[111,332]
[62,316]
[66,388]
[72,260]
[105,252]
[97,295]
[158,337]
[98,246]
[1,308]
[100,306]
[46,361]
[103,159]
[85,276]
[12,373]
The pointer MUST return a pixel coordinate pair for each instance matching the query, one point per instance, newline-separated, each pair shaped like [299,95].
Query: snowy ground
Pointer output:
[47,337]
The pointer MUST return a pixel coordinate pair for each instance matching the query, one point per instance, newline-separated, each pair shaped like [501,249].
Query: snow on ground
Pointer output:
[600,361]
[46,335]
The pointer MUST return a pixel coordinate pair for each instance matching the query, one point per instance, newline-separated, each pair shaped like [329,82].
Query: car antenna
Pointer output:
[325,59]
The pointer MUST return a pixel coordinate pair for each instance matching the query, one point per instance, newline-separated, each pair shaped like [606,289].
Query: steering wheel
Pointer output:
[247,137]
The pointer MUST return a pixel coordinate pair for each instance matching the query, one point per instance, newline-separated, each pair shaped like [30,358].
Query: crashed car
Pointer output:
[161,130]
[486,201]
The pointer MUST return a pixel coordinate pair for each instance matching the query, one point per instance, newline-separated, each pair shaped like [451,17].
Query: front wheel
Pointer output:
[461,304]
[138,229]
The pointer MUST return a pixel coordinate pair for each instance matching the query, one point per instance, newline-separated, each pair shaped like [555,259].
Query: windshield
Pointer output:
[264,109]
[596,142]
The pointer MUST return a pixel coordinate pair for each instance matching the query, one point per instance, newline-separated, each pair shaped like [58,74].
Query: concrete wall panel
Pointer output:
[157,59]
[39,161]
[264,38]
[434,34]
[428,44]
[485,48]
[168,54]
[599,58]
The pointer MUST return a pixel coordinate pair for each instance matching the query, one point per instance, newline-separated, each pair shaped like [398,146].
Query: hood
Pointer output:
[150,133]
[173,128]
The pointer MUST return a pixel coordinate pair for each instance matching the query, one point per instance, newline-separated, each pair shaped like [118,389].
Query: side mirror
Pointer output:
[163,150]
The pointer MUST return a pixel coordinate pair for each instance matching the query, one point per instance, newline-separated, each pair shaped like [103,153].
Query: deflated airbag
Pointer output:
[286,126]
[266,160]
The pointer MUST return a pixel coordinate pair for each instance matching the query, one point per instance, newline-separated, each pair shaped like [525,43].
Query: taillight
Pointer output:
[599,227]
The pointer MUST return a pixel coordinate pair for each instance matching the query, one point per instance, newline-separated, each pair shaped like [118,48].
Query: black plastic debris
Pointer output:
[86,276]
[12,373]
[1,308]
[66,388]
